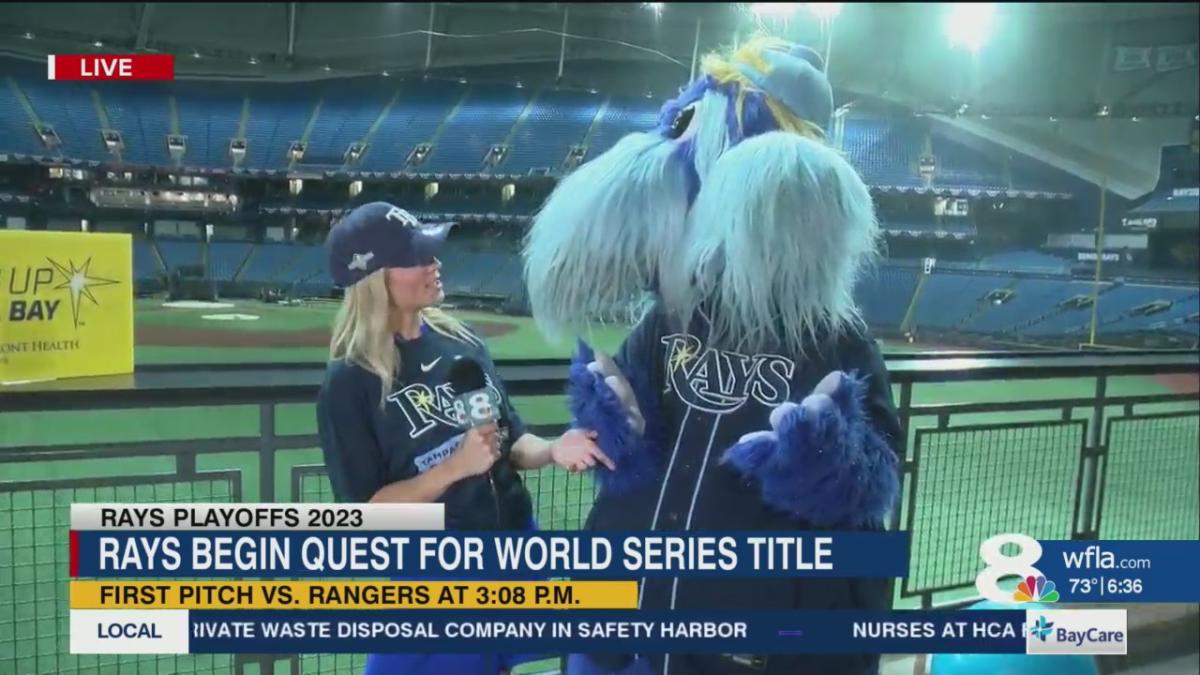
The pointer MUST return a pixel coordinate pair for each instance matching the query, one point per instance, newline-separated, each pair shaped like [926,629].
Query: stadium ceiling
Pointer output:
[1043,62]
[315,40]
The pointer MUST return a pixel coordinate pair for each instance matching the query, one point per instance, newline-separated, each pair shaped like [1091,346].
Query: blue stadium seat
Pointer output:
[278,115]
[16,129]
[145,260]
[484,119]
[347,113]
[623,116]
[225,257]
[176,252]
[67,106]
[209,118]
[268,262]
[947,298]
[414,118]
[884,294]
[557,120]
[141,114]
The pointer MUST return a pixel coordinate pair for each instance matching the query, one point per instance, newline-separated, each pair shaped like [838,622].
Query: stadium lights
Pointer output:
[774,10]
[825,11]
[969,24]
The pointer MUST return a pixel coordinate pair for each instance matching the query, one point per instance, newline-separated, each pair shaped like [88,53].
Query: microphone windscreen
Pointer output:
[466,375]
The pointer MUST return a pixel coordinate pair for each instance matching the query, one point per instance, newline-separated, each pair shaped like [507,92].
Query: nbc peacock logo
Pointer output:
[1035,589]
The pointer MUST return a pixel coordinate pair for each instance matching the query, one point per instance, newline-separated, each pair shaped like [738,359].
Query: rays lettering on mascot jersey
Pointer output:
[749,394]
[718,381]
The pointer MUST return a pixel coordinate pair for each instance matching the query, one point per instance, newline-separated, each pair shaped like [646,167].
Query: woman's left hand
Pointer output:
[577,451]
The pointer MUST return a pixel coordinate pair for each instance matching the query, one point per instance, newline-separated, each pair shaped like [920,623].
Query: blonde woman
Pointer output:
[385,411]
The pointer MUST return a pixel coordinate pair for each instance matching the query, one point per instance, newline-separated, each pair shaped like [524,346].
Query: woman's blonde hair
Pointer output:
[362,332]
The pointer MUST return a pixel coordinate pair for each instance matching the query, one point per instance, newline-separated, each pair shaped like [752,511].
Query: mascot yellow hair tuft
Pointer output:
[722,67]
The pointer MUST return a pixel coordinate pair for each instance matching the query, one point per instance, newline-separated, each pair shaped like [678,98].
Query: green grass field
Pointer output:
[973,482]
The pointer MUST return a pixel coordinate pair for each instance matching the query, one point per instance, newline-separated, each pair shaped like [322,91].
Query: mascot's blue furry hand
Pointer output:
[602,399]
[821,461]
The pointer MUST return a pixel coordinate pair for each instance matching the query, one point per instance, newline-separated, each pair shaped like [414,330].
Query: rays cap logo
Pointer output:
[36,291]
[378,236]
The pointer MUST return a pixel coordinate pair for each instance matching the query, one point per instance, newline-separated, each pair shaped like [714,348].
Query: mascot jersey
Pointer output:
[700,400]
[749,396]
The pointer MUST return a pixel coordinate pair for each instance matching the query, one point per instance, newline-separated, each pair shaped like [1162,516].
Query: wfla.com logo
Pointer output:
[1076,631]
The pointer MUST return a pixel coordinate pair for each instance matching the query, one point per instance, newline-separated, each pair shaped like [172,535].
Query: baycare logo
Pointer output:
[45,292]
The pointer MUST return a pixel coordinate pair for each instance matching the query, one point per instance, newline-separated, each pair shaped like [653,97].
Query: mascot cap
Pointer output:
[797,79]
[380,235]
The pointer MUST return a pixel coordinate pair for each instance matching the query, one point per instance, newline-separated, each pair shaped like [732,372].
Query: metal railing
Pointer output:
[1102,465]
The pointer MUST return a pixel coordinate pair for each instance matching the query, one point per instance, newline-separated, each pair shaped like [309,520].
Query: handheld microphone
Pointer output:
[475,404]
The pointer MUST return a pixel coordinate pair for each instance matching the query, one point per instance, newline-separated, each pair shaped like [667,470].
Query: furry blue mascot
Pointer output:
[749,395]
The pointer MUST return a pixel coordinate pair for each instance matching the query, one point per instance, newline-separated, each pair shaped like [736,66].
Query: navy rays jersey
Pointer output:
[369,441]
[708,398]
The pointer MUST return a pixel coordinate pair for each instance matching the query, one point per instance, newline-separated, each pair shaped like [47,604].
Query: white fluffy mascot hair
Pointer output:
[735,201]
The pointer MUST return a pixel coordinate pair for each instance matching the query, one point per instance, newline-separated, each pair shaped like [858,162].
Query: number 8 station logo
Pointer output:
[1033,586]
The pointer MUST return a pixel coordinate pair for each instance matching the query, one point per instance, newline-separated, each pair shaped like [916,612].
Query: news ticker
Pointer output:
[364,595]
[182,631]
[184,541]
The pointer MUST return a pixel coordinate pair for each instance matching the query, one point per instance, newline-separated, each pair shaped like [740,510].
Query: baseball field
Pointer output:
[975,477]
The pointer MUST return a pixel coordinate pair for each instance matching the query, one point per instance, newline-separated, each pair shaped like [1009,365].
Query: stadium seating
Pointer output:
[141,114]
[557,120]
[884,295]
[278,115]
[887,153]
[1031,298]
[177,252]
[947,298]
[145,260]
[463,121]
[1184,304]
[483,119]
[267,262]
[417,114]
[16,129]
[225,257]
[1025,261]
[622,116]
[964,168]
[67,107]
[347,113]
[209,119]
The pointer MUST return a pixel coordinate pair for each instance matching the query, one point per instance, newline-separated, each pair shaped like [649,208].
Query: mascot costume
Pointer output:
[748,396]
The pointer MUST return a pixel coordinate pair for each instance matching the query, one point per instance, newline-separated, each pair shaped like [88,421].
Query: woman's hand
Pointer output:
[479,450]
[576,450]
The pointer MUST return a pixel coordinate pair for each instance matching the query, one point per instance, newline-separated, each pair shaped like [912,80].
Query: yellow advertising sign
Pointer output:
[66,304]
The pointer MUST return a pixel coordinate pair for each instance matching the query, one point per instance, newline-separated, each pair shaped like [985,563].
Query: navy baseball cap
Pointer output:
[377,236]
